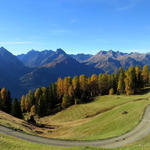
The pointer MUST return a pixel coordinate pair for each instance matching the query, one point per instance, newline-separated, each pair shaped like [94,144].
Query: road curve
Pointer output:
[141,130]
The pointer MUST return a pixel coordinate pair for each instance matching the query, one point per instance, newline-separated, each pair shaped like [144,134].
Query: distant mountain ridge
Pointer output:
[36,58]
[103,60]
[110,60]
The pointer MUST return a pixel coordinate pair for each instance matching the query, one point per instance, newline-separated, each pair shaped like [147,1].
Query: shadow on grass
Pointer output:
[143,91]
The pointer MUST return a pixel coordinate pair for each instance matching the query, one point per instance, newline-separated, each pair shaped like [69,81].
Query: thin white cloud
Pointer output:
[124,8]
[15,42]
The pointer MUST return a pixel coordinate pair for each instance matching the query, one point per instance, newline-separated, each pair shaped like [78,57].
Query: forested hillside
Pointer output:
[79,89]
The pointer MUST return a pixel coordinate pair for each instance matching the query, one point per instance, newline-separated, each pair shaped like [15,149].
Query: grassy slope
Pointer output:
[112,123]
[100,119]
[101,104]
[15,123]
[18,124]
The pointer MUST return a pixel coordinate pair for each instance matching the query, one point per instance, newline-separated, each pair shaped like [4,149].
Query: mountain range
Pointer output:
[40,68]
[110,60]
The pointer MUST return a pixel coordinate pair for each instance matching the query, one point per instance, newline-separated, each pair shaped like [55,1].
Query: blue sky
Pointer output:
[77,26]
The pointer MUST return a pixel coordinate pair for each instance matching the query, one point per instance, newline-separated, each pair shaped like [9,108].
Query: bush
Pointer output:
[111,91]
[65,101]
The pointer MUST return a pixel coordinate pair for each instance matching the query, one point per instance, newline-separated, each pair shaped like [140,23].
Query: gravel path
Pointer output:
[141,130]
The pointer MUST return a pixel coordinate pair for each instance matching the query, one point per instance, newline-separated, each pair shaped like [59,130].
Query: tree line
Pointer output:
[8,105]
[79,89]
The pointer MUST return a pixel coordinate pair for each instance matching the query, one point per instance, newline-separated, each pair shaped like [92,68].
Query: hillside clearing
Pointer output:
[99,119]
